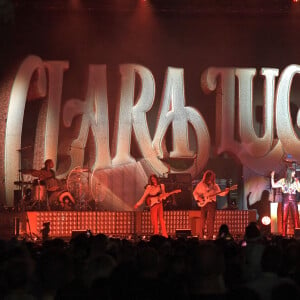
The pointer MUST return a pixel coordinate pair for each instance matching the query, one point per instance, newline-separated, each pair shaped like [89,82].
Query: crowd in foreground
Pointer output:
[100,267]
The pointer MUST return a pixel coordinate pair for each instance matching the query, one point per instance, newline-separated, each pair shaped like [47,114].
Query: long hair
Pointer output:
[209,175]
[288,177]
[150,179]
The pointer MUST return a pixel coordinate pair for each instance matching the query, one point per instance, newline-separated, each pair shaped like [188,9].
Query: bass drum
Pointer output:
[61,200]
[52,184]
[78,184]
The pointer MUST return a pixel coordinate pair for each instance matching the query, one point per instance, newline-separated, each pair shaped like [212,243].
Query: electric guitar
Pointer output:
[203,199]
[152,200]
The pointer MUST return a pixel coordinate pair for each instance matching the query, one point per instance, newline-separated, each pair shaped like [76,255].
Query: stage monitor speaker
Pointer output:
[76,233]
[184,233]
[297,233]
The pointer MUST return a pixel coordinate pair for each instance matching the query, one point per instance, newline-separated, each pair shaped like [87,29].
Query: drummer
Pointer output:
[46,175]
[46,179]
[56,195]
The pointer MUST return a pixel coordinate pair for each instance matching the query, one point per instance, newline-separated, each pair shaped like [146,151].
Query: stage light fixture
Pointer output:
[266,220]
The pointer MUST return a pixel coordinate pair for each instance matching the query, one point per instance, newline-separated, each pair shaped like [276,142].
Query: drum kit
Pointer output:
[71,193]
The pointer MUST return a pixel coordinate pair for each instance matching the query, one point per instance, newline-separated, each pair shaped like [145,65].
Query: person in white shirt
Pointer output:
[289,186]
[205,193]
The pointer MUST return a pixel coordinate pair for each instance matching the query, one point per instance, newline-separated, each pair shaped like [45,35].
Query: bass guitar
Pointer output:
[152,200]
[203,199]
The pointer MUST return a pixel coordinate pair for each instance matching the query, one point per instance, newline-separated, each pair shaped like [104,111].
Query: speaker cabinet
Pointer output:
[180,201]
[183,233]
[76,233]
[185,178]
[184,200]
[297,233]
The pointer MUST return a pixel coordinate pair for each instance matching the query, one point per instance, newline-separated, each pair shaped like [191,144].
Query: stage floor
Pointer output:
[64,224]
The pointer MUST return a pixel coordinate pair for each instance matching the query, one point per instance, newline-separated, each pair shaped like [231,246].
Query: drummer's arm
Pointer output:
[29,171]
[35,173]
[41,174]
[46,174]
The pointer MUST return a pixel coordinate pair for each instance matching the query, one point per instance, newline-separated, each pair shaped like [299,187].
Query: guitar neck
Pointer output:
[171,193]
[234,187]
[167,194]
[157,199]
[215,194]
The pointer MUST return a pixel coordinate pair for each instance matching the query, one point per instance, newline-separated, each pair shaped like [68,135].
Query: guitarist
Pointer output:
[152,193]
[206,190]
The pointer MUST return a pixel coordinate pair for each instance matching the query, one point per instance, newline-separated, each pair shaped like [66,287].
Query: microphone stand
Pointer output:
[21,188]
[21,182]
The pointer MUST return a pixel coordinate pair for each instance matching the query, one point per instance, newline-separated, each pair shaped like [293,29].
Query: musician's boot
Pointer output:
[163,229]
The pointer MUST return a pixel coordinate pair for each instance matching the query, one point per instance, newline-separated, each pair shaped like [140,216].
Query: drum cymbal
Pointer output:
[22,182]
[32,172]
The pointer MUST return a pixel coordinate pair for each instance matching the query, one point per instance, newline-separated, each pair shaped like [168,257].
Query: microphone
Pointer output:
[288,158]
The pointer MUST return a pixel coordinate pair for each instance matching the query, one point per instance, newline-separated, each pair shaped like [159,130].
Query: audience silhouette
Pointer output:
[102,267]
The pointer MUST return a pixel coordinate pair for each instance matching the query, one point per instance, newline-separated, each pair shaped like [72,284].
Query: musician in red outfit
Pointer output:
[289,186]
[153,194]
[205,193]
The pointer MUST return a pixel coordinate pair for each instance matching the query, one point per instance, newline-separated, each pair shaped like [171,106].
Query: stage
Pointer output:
[64,224]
